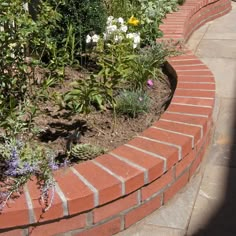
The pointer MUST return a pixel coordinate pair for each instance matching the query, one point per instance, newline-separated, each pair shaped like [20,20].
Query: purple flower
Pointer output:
[149,83]
[27,169]
[13,163]
[52,165]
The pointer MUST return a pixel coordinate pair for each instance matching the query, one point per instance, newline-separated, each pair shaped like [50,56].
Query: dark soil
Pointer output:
[60,128]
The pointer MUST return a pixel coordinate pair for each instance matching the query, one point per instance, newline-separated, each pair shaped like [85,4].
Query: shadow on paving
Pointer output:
[223,221]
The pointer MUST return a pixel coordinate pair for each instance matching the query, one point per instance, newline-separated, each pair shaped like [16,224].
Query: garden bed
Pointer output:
[99,128]
[112,192]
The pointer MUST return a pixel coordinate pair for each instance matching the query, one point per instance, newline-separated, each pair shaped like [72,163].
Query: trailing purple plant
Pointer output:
[20,162]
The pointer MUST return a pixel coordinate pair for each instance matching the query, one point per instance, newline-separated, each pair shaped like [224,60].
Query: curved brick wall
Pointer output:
[112,192]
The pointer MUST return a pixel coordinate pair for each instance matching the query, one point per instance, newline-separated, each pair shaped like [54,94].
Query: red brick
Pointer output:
[194,166]
[107,229]
[176,63]
[199,86]
[190,109]
[180,128]
[192,68]
[112,209]
[185,163]
[79,196]
[157,185]
[195,93]
[16,232]
[133,177]
[177,139]
[174,188]
[56,210]
[168,152]
[200,155]
[193,101]
[60,226]
[15,213]
[189,119]
[154,165]
[142,211]
[108,186]
[188,78]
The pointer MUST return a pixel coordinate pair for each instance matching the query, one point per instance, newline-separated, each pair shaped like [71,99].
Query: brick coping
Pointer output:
[112,192]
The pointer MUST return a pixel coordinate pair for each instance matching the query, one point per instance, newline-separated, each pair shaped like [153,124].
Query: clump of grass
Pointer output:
[132,103]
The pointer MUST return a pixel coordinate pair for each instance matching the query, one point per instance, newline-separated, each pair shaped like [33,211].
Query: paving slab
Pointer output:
[216,31]
[197,36]
[224,130]
[214,210]
[221,155]
[224,70]
[151,230]
[176,213]
[217,48]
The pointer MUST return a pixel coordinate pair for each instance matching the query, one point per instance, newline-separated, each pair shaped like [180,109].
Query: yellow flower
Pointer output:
[133,21]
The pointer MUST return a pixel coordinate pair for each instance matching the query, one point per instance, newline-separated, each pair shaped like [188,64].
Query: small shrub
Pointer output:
[148,62]
[132,103]
[85,94]
[21,161]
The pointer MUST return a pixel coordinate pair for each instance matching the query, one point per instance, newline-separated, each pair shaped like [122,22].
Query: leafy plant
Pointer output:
[115,52]
[85,94]
[23,42]
[148,62]
[132,103]
[83,16]
[19,162]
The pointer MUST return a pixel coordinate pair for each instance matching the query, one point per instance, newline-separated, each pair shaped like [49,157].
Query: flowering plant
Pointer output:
[117,31]
[19,162]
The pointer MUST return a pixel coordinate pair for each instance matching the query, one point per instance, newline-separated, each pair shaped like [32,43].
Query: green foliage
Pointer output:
[119,8]
[132,103]
[20,119]
[86,93]
[148,62]
[114,60]
[83,16]
[23,42]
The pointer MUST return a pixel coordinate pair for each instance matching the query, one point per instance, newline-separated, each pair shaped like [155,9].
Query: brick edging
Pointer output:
[112,192]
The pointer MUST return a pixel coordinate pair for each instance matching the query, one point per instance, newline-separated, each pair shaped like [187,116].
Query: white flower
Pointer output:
[118,38]
[88,39]
[95,38]
[135,45]
[109,20]
[136,38]
[111,29]
[124,28]
[105,36]
[120,20]
[130,35]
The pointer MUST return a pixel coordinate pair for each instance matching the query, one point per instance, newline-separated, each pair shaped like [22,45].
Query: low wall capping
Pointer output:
[107,195]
